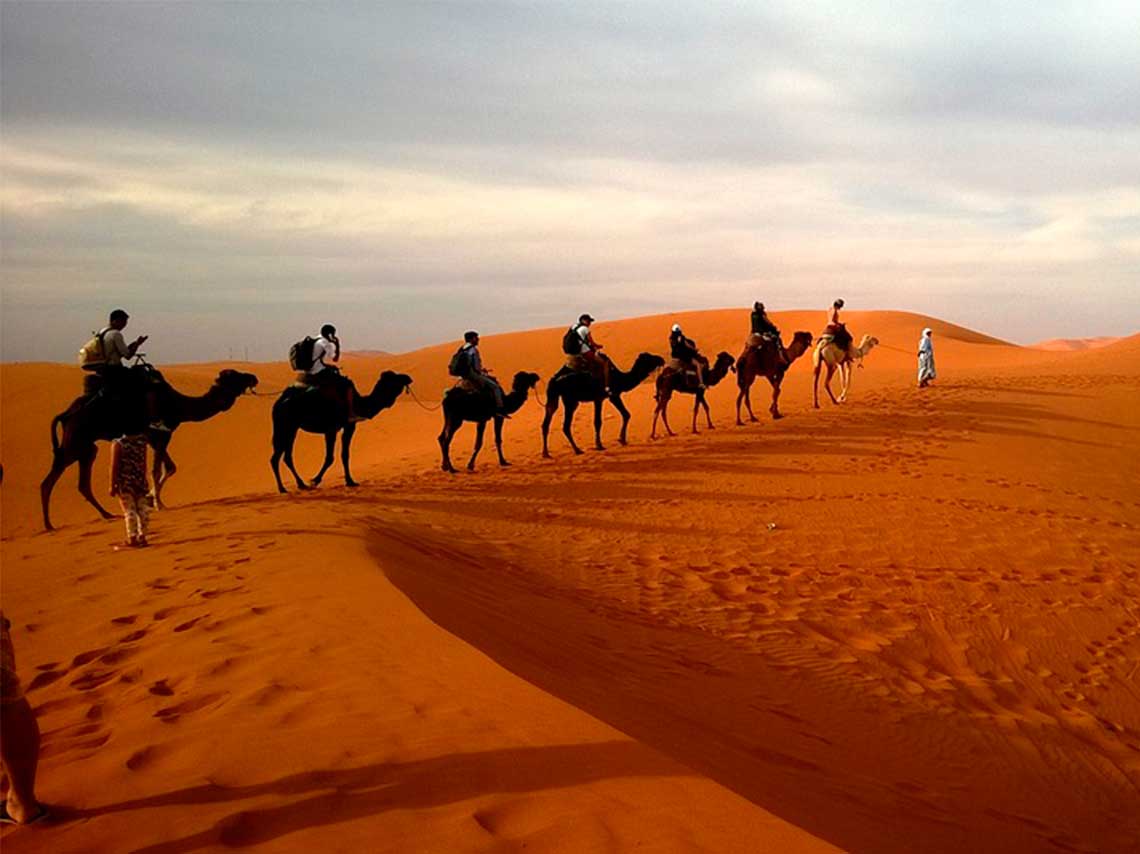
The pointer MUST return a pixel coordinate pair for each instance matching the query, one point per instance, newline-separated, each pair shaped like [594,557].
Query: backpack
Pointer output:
[301,354]
[572,342]
[458,366]
[92,354]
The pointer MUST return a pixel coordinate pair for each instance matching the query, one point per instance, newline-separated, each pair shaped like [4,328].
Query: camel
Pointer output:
[576,387]
[826,352]
[460,405]
[684,382]
[318,410]
[762,361]
[93,417]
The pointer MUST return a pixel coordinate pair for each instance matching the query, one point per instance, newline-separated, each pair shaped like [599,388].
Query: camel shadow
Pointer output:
[330,797]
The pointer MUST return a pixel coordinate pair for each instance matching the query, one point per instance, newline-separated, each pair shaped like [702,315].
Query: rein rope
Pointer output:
[421,404]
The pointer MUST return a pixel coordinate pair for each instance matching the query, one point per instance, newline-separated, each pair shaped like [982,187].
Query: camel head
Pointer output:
[725,362]
[866,344]
[393,382]
[235,382]
[801,343]
[647,362]
[524,381]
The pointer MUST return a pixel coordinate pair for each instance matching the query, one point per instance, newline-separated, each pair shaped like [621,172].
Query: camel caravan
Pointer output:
[124,396]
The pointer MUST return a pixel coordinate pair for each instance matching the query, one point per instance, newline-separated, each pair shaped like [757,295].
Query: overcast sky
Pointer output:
[236,174]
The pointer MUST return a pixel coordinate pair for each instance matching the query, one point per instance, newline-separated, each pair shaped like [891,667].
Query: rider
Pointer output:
[763,327]
[476,374]
[116,379]
[685,354]
[837,330]
[322,374]
[589,357]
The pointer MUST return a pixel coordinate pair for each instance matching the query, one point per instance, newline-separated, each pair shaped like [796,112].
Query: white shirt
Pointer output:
[321,347]
[584,333]
[114,347]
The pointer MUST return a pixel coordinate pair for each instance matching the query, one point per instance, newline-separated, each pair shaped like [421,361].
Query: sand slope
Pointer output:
[907,623]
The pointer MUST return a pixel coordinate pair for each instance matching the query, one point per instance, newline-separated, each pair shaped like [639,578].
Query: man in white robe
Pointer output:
[926,358]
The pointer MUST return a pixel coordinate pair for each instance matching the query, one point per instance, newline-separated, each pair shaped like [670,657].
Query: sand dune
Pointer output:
[1076,343]
[907,623]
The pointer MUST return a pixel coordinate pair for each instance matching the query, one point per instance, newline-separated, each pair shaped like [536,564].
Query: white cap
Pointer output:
[927,331]
[676,327]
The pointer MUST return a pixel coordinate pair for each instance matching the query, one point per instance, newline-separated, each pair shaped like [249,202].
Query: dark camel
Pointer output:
[94,417]
[460,405]
[319,410]
[686,383]
[575,387]
[764,361]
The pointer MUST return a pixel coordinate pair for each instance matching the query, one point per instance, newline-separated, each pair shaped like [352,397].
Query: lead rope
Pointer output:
[421,404]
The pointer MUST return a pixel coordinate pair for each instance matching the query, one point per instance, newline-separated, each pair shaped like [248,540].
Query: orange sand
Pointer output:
[909,623]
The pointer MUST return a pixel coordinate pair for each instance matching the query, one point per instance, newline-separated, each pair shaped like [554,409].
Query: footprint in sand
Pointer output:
[128,620]
[170,714]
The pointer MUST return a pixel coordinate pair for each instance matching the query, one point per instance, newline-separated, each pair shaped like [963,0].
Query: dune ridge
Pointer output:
[906,621]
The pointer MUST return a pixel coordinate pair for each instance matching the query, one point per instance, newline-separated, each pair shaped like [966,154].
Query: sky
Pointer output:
[237,174]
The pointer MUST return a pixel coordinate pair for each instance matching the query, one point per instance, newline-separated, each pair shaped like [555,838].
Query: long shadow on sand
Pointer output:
[322,798]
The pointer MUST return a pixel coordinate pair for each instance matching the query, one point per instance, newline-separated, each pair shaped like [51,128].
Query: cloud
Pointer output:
[432,161]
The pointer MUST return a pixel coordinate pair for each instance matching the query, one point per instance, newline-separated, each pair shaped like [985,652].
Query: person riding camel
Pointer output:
[102,357]
[686,356]
[469,366]
[323,375]
[583,353]
[837,330]
[763,328]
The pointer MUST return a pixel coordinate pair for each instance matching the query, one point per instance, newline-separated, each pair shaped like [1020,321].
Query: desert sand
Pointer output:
[910,623]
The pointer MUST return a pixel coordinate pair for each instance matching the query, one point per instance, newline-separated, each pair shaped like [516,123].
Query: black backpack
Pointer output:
[572,342]
[458,366]
[301,354]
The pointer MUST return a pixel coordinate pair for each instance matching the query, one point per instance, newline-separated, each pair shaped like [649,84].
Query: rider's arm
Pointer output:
[336,348]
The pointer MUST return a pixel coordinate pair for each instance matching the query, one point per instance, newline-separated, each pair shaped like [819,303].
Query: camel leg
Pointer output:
[745,397]
[827,383]
[551,408]
[163,467]
[86,464]
[567,422]
[598,446]
[445,437]
[283,447]
[705,405]
[620,407]
[663,404]
[846,373]
[59,465]
[775,407]
[330,455]
[345,448]
[480,430]
[696,408]
[499,441]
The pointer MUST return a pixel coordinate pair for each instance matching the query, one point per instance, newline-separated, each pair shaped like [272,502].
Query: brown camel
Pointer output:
[317,409]
[575,387]
[827,353]
[765,361]
[94,417]
[461,405]
[686,383]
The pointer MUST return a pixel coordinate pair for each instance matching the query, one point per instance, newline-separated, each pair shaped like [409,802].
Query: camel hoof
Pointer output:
[546,456]
[351,483]
[599,447]
[304,487]
[282,490]
[577,452]
[504,464]
[776,416]
[107,515]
